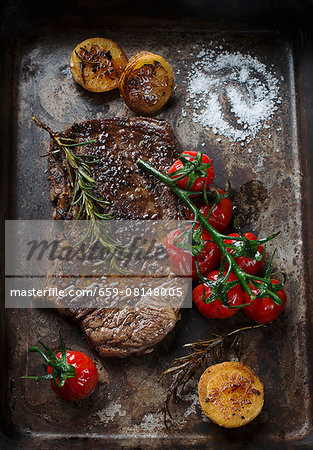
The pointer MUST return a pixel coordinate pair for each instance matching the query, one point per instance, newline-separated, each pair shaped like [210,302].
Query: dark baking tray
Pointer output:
[125,411]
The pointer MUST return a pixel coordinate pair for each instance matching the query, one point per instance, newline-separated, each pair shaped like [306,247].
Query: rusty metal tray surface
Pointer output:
[125,410]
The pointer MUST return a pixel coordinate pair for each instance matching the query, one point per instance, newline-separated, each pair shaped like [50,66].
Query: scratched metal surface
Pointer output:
[125,409]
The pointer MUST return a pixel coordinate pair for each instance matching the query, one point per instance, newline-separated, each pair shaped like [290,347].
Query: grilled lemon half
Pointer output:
[97,63]
[231,394]
[146,83]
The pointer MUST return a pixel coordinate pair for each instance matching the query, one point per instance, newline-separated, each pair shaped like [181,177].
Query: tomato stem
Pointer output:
[61,370]
[217,237]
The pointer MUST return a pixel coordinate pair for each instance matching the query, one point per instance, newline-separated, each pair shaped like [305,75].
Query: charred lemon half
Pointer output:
[146,83]
[231,394]
[97,63]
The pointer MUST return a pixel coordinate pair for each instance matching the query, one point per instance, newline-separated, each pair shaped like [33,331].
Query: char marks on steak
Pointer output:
[133,194]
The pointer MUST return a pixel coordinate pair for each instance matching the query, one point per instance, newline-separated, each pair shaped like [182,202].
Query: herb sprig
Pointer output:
[83,184]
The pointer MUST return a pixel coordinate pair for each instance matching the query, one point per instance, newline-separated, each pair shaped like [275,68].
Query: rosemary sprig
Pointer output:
[246,246]
[83,184]
[198,356]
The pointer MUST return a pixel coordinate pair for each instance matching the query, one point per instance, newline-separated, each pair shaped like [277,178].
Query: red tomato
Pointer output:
[180,260]
[199,181]
[221,214]
[215,309]
[208,259]
[249,265]
[264,310]
[85,381]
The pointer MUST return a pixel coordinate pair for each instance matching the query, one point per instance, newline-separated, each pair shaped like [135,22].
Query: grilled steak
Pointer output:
[133,194]
[121,332]
[128,325]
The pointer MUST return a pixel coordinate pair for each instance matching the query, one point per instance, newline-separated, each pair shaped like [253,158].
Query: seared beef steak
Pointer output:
[133,195]
[126,325]
[120,332]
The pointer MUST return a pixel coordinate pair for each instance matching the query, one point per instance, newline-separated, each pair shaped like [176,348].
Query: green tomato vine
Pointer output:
[242,246]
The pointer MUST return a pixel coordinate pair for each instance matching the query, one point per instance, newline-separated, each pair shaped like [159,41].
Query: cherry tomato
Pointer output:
[208,259]
[264,310]
[199,181]
[86,379]
[73,374]
[180,260]
[215,309]
[221,214]
[249,265]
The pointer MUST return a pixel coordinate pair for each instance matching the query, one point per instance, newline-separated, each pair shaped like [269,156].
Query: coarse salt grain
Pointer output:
[233,94]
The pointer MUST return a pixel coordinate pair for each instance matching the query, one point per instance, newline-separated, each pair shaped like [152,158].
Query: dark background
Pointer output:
[289,17]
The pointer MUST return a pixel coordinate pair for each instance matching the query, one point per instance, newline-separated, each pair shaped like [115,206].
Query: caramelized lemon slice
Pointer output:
[97,63]
[146,83]
[230,394]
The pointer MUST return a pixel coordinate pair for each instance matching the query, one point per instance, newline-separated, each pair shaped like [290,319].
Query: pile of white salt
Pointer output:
[233,94]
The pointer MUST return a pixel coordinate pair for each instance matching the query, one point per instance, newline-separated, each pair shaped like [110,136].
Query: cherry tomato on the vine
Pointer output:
[199,181]
[85,381]
[263,309]
[215,309]
[73,374]
[184,264]
[221,214]
[249,265]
